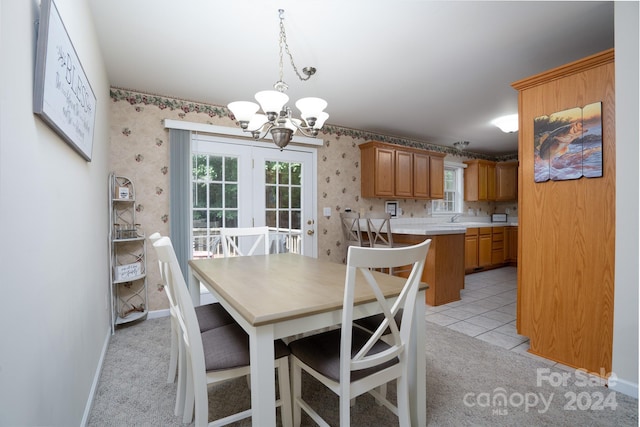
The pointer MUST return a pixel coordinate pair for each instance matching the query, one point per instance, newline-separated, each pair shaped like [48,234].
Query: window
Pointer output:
[452,202]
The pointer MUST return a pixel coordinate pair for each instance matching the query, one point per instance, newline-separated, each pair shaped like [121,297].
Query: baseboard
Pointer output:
[625,387]
[96,379]
[156,314]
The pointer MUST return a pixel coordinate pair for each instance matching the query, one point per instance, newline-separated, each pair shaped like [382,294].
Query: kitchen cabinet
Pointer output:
[471,249]
[484,248]
[506,181]
[389,170]
[378,167]
[404,174]
[497,245]
[489,181]
[479,180]
[511,245]
[443,268]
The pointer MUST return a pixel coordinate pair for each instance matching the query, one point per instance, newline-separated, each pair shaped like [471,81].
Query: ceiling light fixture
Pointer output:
[507,124]
[277,119]
[461,145]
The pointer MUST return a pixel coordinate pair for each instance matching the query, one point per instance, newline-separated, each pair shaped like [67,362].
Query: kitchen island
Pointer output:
[444,266]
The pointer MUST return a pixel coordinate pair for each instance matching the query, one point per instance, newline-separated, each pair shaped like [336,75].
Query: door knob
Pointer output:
[310,232]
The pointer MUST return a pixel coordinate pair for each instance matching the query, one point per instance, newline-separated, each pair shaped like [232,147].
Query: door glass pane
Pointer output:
[270,196]
[283,197]
[215,200]
[270,172]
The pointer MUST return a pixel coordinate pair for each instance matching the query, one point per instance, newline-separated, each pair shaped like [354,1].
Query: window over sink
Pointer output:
[453,190]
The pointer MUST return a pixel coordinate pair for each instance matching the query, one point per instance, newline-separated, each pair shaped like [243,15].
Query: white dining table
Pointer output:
[284,295]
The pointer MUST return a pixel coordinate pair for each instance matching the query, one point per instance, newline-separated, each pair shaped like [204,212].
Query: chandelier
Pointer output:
[277,119]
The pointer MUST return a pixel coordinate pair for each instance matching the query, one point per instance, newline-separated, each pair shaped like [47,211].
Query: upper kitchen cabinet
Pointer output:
[479,180]
[506,181]
[488,181]
[390,170]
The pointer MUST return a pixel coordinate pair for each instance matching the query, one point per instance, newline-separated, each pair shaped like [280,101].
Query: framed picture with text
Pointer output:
[62,95]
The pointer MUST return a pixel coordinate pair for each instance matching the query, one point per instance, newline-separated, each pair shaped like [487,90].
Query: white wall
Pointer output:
[54,320]
[625,320]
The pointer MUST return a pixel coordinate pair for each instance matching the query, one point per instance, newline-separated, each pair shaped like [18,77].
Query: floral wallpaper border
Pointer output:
[162,102]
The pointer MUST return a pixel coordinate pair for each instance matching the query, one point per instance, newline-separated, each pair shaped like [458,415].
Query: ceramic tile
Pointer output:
[440,319]
[487,311]
[502,340]
[467,328]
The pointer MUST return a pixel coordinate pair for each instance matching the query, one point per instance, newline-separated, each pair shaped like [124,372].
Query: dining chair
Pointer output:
[351,230]
[379,230]
[245,241]
[209,316]
[351,361]
[216,355]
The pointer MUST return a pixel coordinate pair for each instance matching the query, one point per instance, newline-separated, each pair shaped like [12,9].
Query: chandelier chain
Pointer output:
[283,42]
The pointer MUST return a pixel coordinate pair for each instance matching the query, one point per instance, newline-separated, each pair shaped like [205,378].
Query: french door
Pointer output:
[240,184]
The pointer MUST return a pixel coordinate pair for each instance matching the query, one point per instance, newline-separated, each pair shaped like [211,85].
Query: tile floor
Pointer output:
[487,310]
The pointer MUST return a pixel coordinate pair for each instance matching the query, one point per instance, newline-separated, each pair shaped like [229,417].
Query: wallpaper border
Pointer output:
[164,102]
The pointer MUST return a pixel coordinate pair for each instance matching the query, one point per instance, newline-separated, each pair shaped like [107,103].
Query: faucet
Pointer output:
[455,217]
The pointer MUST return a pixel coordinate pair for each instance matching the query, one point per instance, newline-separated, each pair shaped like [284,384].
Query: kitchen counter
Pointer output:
[436,229]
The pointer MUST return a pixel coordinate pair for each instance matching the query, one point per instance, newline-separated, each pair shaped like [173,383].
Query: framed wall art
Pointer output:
[568,144]
[62,95]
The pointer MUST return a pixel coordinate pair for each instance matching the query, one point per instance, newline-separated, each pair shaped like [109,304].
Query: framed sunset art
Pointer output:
[568,144]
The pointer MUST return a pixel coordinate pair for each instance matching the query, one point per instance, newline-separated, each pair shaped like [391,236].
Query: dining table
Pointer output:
[289,295]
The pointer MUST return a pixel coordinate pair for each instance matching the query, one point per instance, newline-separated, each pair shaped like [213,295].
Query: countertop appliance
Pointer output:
[499,217]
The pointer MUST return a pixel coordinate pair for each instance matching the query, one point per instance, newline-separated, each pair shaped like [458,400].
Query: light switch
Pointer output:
[326,212]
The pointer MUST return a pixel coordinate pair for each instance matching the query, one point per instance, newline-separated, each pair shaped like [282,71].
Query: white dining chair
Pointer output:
[216,355]
[245,241]
[351,361]
[209,316]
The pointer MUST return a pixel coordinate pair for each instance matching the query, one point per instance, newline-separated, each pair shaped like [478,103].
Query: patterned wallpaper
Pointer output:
[139,150]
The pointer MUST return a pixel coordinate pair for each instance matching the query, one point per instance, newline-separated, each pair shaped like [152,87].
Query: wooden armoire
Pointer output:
[566,233]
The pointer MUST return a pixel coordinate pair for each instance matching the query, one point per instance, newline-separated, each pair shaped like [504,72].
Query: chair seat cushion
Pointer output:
[227,347]
[371,323]
[321,352]
[212,316]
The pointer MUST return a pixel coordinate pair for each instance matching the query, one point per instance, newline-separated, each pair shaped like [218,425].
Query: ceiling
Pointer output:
[432,71]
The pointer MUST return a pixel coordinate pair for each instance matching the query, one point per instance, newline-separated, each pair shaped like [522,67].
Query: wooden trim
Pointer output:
[562,71]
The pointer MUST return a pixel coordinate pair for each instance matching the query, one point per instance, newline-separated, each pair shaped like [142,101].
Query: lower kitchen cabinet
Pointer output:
[490,247]
[444,267]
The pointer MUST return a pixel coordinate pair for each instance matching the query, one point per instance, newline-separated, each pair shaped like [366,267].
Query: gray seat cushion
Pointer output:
[322,353]
[371,323]
[227,347]
[212,316]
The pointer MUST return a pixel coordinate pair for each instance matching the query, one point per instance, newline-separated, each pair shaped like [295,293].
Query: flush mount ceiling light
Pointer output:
[461,145]
[507,124]
[277,119]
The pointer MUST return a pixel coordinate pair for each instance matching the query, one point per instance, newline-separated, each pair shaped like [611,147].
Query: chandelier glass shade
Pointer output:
[276,118]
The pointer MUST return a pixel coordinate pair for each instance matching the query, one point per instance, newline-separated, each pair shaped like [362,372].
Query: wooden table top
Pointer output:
[272,288]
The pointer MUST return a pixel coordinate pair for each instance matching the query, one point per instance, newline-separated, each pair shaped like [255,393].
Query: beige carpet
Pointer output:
[465,379]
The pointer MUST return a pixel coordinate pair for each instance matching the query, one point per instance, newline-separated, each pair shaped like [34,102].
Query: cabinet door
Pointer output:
[421,176]
[470,252]
[491,181]
[404,173]
[384,172]
[497,246]
[436,177]
[484,247]
[507,181]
